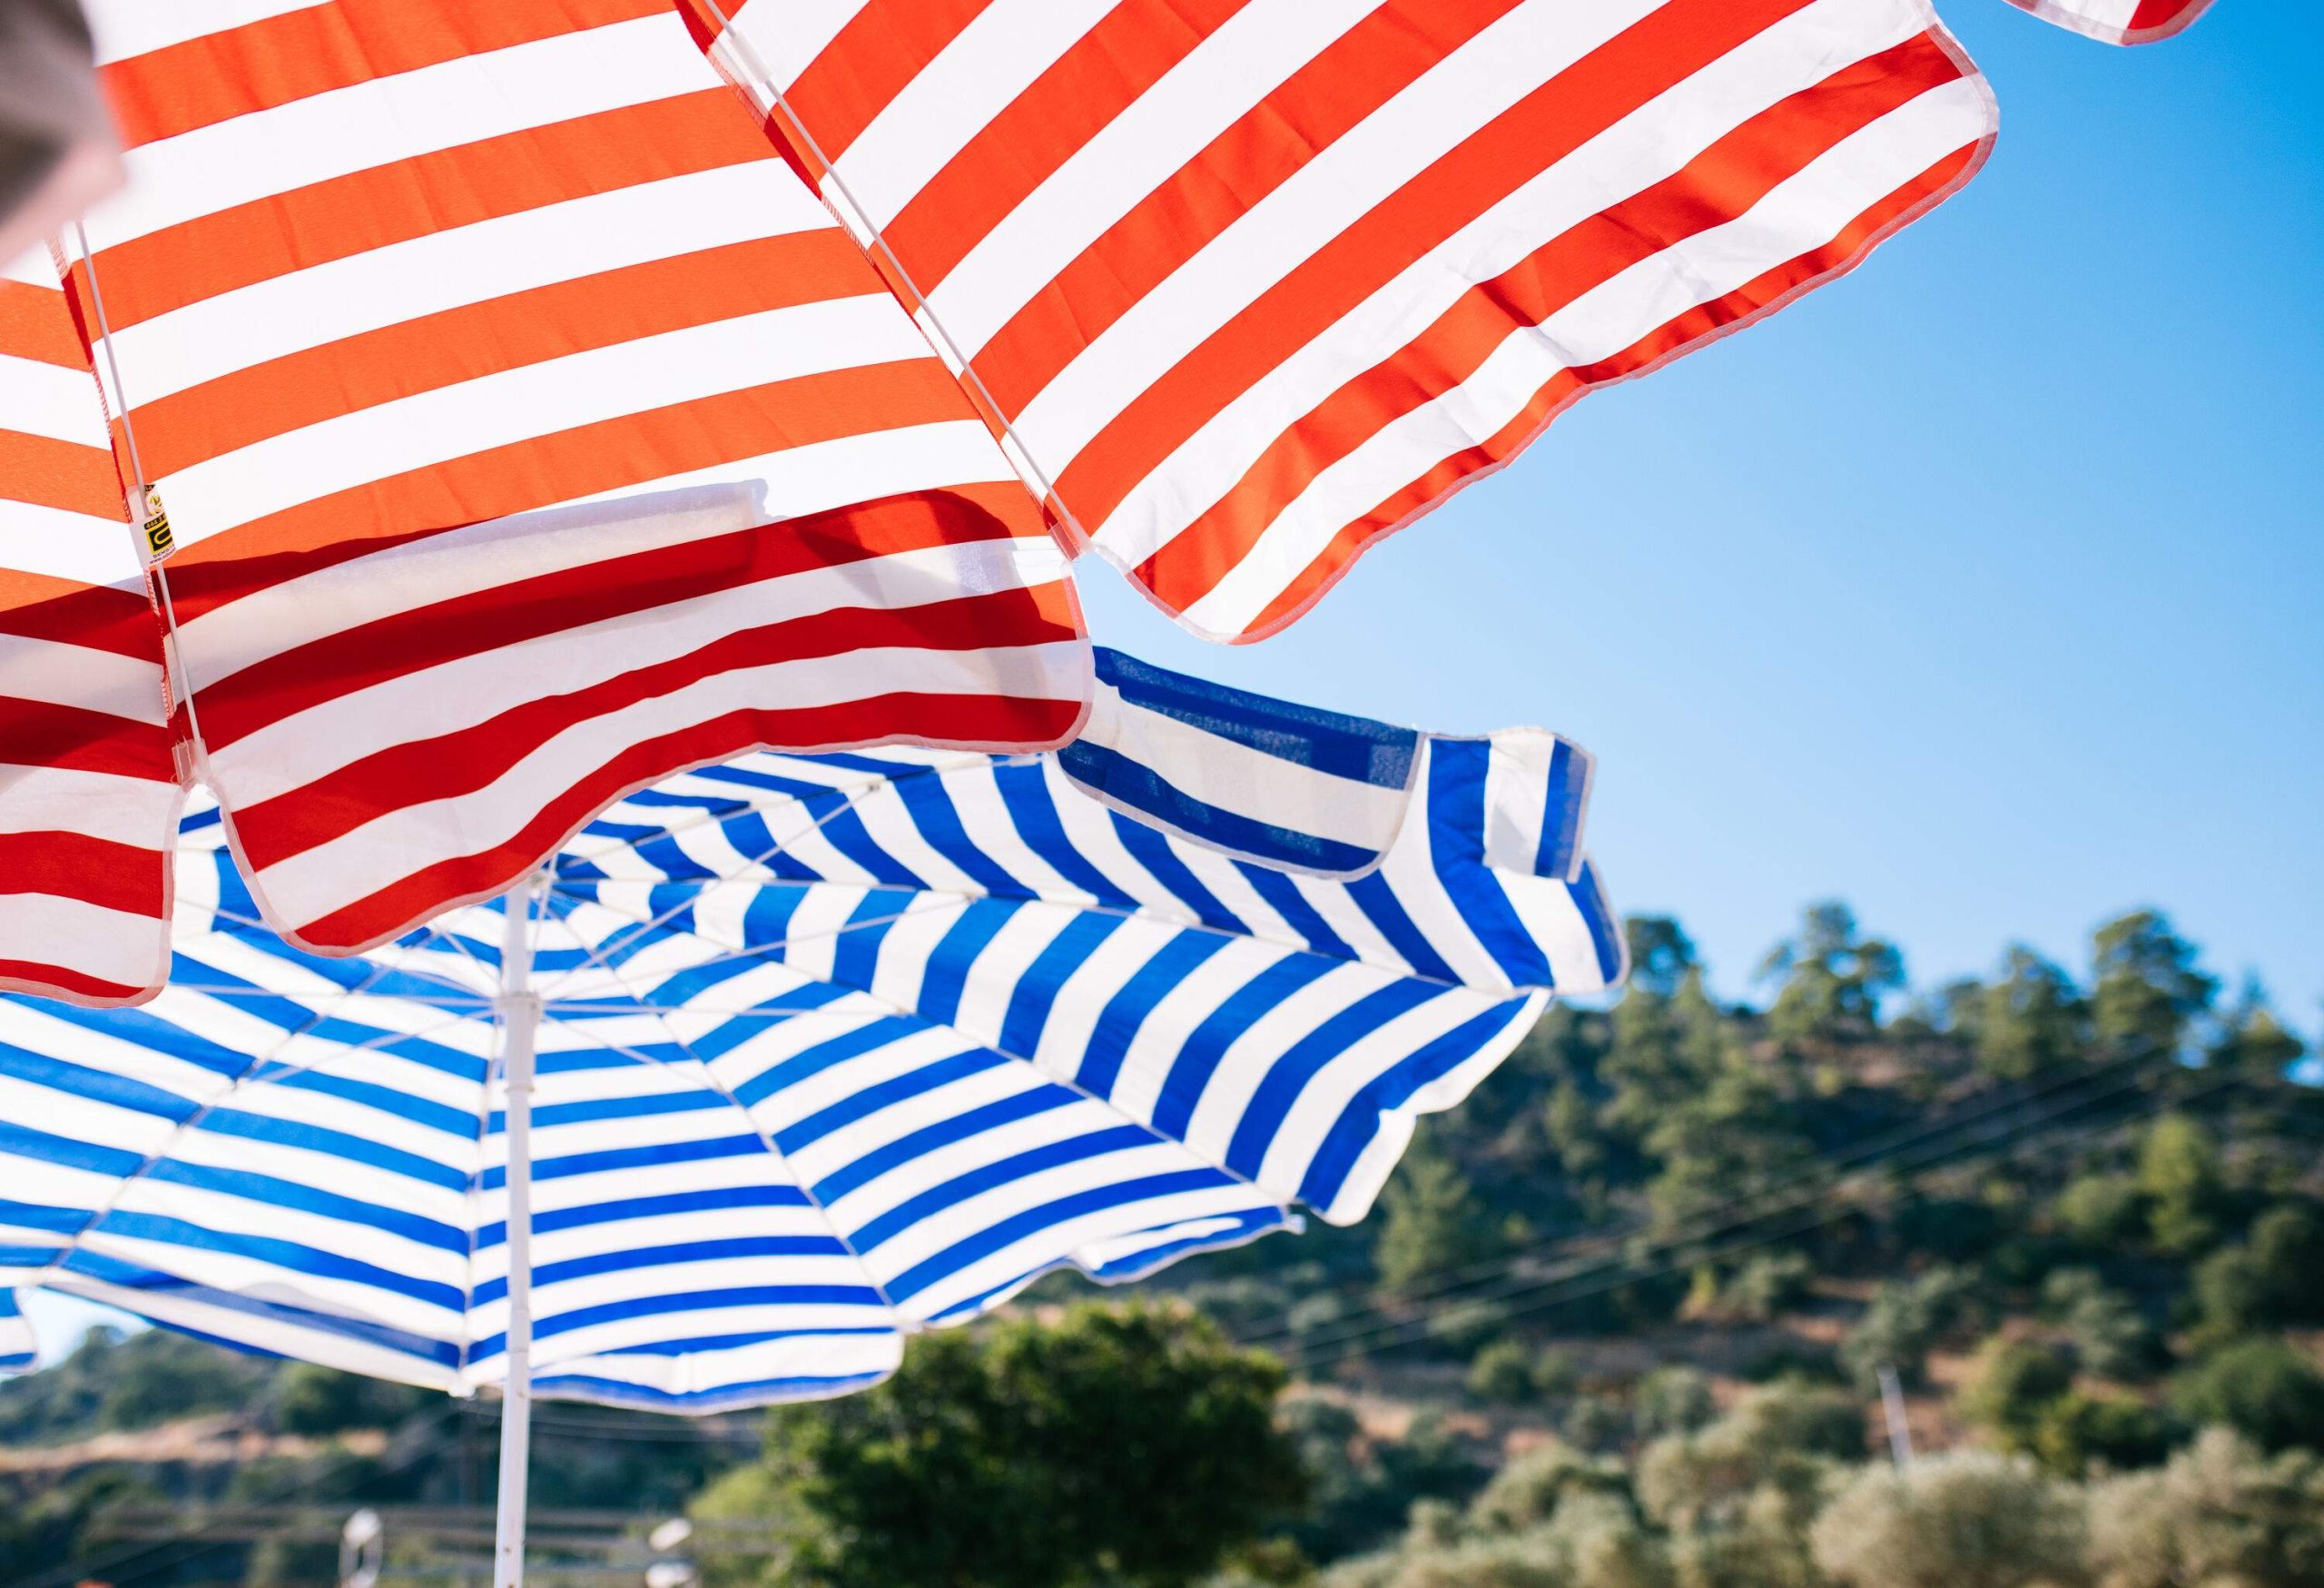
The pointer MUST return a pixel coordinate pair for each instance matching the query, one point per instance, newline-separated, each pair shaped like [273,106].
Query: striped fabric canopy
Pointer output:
[525,431]
[834,1048]
[1246,285]
[2119,22]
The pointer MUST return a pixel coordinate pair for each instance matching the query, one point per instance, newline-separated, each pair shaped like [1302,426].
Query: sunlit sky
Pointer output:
[1983,588]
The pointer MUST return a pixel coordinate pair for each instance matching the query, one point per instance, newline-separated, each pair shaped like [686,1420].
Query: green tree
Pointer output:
[2254,1040]
[2011,1386]
[1833,978]
[1132,1447]
[1661,954]
[1431,1220]
[2102,1210]
[2077,1432]
[2147,993]
[1905,1319]
[2263,1389]
[2179,1175]
[1502,1374]
[2032,1020]
[2110,1336]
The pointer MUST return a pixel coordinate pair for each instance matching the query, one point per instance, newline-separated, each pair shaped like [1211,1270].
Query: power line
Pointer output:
[1712,1221]
[1587,1282]
[1454,1278]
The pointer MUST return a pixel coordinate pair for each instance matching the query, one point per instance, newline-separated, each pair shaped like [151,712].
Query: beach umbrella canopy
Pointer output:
[779,1061]
[461,417]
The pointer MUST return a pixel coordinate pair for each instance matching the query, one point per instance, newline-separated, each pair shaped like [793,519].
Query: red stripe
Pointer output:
[944,719]
[417,197]
[95,871]
[1716,187]
[477,339]
[526,475]
[1539,130]
[1312,109]
[1094,82]
[57,980]
[35,733]
[484,620]
[462,763]
[280,59]
[105,618]
[1763,296]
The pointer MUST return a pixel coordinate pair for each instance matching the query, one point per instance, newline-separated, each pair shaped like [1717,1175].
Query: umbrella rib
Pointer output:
[709,1079]
[1073,1086]
[847,802]
[259,1062]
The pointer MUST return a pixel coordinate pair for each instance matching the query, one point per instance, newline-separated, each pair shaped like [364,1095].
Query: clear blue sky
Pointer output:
[1983,587]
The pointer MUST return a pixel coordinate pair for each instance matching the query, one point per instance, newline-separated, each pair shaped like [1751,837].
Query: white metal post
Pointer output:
[520,1016]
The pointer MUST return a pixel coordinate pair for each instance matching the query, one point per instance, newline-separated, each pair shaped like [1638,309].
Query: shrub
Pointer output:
[2014,1385]
[2218,1513]
[2076,1431]
[1672,1400]
[1503,1374]
[1967,1519]
[1903,1321]
[2262,1389]
[2103,1210]
[1770,1285]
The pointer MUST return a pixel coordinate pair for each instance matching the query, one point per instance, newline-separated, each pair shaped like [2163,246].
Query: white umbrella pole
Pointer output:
[520,1017]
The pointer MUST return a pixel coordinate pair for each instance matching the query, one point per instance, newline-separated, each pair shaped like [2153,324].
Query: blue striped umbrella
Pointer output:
[797,1056]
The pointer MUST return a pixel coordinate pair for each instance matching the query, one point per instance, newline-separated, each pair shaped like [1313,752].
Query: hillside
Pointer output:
[1636,1298]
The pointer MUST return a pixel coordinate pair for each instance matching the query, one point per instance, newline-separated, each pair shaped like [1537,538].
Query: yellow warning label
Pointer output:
[159,541]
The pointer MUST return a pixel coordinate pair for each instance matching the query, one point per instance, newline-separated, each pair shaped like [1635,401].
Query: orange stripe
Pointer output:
[1310,110]
[35,324]
[50,473]
[275,236]
[476,620]
[280,59]
[477,339]
[1537,132]
[526,475]
[1719,185]
[1101,75]
[1707,322]
[871,61]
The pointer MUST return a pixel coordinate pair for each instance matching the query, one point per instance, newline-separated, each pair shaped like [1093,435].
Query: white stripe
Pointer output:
[131,811]
[60,544]
[534,400]
[306,886]
[667,512]
[80,677]
[1244,60]
[38,398]
[1501,63]
[973,78]
[451,697]
[385,120]
[110,945]
[125,28]
[1803,212]
[1245,782]
[340,298]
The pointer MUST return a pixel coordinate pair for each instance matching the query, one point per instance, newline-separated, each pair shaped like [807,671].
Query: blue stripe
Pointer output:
[1147,791]
[1343,746]
[1119,1022]
[1359,1121]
